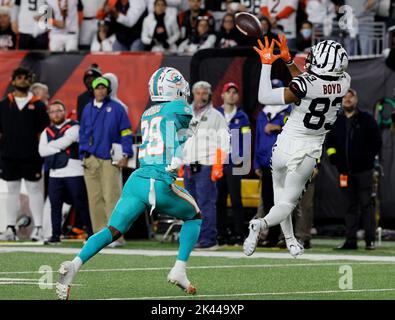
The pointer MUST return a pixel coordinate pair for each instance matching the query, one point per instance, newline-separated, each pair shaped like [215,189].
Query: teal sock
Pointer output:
[95,243]
[189,235]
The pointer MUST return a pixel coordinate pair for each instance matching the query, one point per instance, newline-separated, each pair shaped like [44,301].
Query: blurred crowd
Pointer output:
[185,26]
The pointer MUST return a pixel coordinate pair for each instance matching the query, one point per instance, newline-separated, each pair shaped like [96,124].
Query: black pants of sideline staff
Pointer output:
[74,190]
[359,202]
[230,184]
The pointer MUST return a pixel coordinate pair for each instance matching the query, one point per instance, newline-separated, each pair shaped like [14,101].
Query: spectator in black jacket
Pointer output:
[352,145]
[188,19]
[84,98]
[228,35]
[127,21]
[22,118]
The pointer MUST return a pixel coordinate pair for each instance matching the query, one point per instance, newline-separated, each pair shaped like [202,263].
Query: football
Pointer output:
[248,24]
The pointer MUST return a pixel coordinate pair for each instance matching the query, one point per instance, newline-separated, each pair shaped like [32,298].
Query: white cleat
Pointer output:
[67,273]
[37,234]
[179,278]
[294,247]
[251,241]
[9,235]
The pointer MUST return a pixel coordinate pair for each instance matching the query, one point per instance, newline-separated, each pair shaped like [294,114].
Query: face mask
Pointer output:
[306,33]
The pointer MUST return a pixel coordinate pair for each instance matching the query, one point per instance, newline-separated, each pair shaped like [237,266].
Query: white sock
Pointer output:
[180,265]
[77,263]
[36,201]
[287,228]
[13,201]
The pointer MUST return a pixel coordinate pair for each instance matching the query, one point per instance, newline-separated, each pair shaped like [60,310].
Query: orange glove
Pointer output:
[181,172]
[217,169]
[284,51]
[217,172]
[266,52]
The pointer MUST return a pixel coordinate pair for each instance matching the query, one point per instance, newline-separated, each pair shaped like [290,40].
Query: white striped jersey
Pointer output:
[320,101]
[25,11]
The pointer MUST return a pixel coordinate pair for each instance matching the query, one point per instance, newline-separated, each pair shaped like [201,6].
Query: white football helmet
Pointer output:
[327,58]
[168,84]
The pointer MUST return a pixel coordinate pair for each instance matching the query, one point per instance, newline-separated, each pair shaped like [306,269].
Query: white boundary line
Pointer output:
[256,294]
[268,266]
[224,254]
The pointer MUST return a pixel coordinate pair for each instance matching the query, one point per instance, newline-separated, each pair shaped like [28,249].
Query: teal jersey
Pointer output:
[164,131]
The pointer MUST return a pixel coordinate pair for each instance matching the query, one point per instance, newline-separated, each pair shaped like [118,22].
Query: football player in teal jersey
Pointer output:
[164,128]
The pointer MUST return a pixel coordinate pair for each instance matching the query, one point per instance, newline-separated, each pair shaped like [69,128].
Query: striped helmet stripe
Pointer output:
[155,88]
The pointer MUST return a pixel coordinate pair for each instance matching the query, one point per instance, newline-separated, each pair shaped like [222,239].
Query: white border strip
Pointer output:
[224,254]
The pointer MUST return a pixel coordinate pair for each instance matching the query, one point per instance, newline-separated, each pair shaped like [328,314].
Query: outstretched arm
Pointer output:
[266,94]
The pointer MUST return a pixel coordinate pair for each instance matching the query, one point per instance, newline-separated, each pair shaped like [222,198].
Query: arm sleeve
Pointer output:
[83,146]
[257,140]
[44,149]
[126,133]
[15,10]
[42,117]
[266,94]
[146,37]
[175,33]
[330,143]
[285,13]
[298,87]
[136,9]
[264,8]
[223,135]
[375,136]
[70,136]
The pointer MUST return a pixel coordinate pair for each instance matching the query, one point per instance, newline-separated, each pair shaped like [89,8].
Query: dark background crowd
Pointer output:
[185,26]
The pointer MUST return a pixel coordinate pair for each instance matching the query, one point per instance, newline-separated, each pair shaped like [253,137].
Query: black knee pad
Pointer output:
[197,216]
[116,234]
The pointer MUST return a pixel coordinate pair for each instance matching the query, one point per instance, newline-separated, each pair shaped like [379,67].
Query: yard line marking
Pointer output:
[34,283]
[224,254]
[256,294]
[17,279]
[293,265]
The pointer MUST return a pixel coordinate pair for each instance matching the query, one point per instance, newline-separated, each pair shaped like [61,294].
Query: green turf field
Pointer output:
[142,274]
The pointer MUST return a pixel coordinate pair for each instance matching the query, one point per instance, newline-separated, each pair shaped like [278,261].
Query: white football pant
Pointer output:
[288,185]
[63,42]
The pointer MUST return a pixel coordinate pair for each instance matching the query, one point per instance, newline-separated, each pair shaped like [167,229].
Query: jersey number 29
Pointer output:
[320,114]
[152,142]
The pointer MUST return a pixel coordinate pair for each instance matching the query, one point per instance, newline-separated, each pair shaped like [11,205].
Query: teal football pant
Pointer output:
[138,195]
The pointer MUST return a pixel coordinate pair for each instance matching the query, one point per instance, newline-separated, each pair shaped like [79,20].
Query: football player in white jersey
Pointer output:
[25,17]
[317,95]
[65,28]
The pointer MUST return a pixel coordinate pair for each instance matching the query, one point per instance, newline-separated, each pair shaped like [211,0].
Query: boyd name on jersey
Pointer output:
[320,101]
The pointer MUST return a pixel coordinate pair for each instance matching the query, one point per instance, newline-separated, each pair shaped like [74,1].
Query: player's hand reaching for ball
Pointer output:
[284,51]
[266,52]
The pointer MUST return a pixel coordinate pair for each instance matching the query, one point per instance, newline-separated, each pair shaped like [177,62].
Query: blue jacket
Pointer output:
[101,127]
[240,122]
[264,142]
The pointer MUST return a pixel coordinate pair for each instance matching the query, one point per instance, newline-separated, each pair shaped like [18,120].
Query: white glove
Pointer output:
[175,164]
